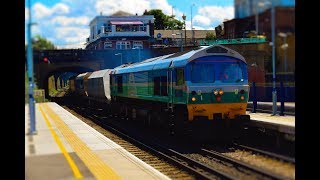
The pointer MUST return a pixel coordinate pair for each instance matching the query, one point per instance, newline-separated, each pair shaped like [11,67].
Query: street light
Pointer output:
[32,115]
[260,4]
[256,66]
[138,52]
[192,36]
[120,56]
[180,39]
[172,19]
[284,46]
[185,29]
[274,91]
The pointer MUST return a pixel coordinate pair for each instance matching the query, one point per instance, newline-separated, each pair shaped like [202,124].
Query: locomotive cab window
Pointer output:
[156,85]
[119,83]
[230,73]
[160,86]
[164,88]
[180,77]
[202,73]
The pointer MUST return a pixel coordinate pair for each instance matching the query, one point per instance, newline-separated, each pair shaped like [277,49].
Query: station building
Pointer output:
[120,30]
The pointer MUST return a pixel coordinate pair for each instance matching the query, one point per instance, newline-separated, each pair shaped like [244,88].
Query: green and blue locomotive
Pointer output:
[196,87]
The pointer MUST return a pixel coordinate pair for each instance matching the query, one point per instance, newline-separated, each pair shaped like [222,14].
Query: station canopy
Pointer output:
[126,22]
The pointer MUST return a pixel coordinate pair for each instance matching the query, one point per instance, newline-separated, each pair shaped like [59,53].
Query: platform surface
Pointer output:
[286,120]
[64,147]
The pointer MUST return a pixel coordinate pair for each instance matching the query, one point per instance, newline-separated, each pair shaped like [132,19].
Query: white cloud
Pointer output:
[40,11]
[213,15]
[161,4]
[60,8]
[65,21]
[72,34]
[203,20]
[111,6]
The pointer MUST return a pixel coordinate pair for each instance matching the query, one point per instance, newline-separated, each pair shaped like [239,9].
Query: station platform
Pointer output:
[284,124]
[64,147]
[289,107]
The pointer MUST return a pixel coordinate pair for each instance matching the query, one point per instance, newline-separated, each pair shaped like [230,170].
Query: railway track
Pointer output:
[194,167]
[197,169]
[266,153]
[242,166]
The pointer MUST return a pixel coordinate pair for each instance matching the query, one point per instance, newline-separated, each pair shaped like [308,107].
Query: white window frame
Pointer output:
[137,44]
[123,45]
[107,45]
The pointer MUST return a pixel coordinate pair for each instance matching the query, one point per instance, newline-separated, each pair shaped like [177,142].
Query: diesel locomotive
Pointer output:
[197,89]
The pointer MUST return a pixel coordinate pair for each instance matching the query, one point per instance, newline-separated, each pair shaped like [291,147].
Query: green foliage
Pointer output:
[163,21]
[41,43]
[210,36]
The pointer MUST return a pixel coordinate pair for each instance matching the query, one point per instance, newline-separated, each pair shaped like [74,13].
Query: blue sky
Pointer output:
[65,22]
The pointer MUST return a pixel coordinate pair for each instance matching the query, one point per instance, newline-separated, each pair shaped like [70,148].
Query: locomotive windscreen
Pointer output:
[228,70]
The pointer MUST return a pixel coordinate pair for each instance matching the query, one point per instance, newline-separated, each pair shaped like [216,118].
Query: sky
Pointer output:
[66,22]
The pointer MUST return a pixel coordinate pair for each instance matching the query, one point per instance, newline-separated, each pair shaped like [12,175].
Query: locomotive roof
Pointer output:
[178,59]
[100,73]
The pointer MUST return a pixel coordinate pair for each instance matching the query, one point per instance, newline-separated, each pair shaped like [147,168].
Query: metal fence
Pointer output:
[232,41]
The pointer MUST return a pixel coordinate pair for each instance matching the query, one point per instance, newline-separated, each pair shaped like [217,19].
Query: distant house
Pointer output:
[120,31]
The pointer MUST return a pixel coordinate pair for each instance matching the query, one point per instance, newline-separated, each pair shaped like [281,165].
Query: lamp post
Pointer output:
[257,20]
[284,46]
[185,29]
[172,20]
[138,52]
[256,66]
[180,40]
[119,54]
[274,91]
[32,129]
[192,36]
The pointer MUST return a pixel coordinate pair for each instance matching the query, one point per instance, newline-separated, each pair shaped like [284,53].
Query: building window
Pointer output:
[137,44]
[123,45]
[107,27]
[107,45]
[143,27]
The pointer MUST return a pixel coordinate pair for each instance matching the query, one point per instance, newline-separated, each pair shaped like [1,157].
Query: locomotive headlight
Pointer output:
[221,92]
[242,97]
[193,99]
[215,92]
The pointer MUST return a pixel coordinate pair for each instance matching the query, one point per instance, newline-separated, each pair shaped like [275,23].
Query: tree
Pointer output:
[219,31]
[163,21]
[210,36]
[41,43]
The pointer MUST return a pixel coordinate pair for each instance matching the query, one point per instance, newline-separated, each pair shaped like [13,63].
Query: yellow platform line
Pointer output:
[98,168]
[77,174]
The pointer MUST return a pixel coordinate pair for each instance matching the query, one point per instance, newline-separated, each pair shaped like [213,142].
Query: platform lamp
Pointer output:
[180,39]
[185,29]
[119,54]
[32,130]
[274,90]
